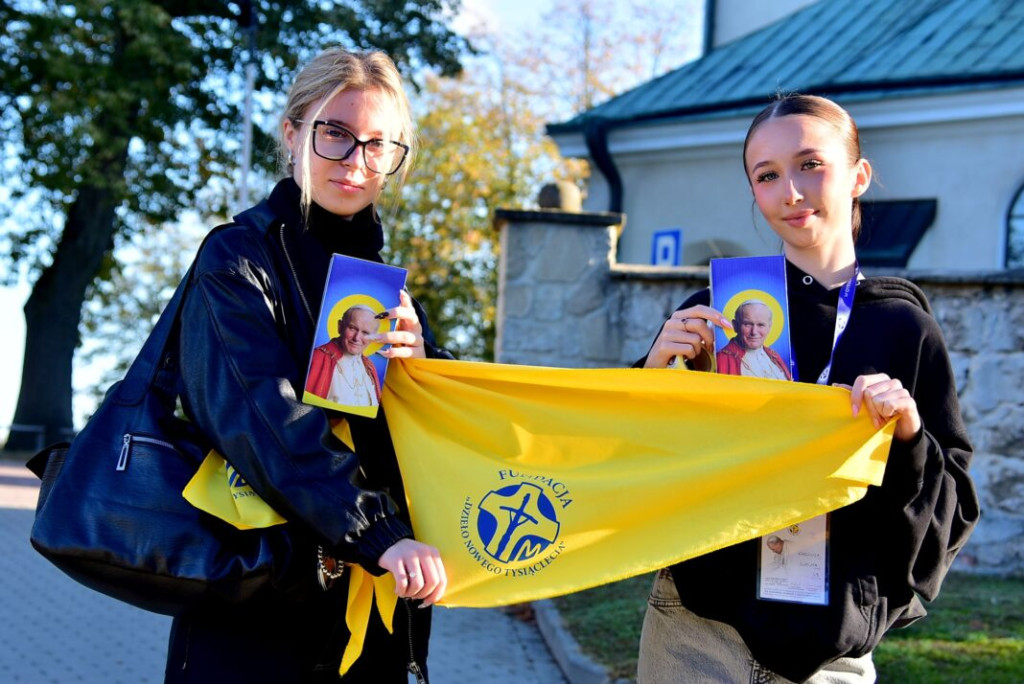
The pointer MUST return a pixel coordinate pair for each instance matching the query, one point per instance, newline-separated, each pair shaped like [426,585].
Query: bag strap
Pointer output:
[161,346]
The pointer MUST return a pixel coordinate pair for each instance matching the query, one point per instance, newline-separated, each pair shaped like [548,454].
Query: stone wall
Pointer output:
[564,302]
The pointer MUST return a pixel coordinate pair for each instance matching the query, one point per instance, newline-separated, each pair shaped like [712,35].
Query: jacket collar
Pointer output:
[362,236]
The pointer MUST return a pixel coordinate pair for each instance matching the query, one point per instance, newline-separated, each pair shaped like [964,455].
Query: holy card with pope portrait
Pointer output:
[345,372]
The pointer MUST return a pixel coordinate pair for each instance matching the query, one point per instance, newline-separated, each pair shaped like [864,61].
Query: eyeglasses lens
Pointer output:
[337,143]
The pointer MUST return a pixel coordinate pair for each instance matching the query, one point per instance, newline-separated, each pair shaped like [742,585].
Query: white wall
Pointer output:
[966,150]
[973,168]
[701,190]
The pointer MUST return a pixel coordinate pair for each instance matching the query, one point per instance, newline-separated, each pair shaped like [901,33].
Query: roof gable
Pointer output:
[869,49]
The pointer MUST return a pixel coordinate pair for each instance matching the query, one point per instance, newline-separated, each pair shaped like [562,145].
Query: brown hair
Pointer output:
[820,108]
[334,71]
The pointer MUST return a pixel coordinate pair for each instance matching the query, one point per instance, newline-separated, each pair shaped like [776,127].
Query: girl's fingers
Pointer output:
[406,340]
[439,584]
[427,581]
[417,569]
[413,579]
[687,333]
[885,398]
[862,385]
[704,313]
[399,337]
[406,313]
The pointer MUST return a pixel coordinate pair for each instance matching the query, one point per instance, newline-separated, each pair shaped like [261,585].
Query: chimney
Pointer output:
[729,20]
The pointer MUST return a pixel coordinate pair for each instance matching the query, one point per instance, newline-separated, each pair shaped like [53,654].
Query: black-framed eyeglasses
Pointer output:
[337,143]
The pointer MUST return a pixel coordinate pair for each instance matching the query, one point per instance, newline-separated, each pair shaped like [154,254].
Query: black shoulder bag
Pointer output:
[111,512]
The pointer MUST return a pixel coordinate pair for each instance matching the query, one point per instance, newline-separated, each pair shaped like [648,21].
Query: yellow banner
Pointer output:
[535,482]
[221,491]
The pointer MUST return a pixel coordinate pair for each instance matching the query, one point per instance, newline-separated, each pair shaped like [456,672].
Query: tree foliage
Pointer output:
[587,51]
[117,115]
[142,101]
[481,148]
[484,147]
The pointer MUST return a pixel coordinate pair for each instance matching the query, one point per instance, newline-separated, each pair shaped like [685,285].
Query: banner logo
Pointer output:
[516,522]
[517,525]
[237,485]
[235,478]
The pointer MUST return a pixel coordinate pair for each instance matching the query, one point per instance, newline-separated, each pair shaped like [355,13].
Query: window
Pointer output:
[1015,232]
[891,230]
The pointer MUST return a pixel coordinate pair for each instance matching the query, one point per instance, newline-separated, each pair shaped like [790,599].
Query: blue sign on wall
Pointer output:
[667,247]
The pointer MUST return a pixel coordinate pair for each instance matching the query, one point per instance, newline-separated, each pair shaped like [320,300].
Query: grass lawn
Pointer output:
[974,632]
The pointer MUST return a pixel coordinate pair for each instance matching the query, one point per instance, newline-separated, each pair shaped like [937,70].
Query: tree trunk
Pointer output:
[53,313]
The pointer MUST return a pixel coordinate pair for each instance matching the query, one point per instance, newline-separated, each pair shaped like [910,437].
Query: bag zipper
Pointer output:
[413,666]
[126,447]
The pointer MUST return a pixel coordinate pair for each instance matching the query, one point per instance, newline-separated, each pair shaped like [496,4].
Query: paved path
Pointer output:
[54,630]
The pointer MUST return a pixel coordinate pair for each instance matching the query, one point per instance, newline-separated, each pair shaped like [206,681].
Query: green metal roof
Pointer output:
[865,49]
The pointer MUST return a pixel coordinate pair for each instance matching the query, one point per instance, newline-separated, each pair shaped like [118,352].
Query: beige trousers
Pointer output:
[677,646]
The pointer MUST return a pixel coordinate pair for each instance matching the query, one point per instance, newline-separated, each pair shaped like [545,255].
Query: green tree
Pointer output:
[115,115]
[482,147]
[483,144]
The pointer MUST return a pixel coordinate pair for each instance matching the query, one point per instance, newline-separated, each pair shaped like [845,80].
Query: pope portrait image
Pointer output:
[338,370]
[746,353]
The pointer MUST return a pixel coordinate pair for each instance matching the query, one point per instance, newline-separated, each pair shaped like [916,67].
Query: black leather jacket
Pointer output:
[247,332]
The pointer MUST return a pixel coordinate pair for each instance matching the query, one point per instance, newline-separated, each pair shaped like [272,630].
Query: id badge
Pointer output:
[793,564]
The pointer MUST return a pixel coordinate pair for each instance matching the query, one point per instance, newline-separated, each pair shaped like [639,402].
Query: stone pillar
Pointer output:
[983,325]
[553,286]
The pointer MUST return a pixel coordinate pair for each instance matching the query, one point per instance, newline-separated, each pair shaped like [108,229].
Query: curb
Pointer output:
[577,667]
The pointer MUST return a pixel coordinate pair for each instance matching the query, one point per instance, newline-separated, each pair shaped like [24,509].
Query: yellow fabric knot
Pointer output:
[218,489]
[363,588]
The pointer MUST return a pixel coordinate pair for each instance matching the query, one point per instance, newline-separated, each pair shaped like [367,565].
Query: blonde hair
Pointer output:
[334,71]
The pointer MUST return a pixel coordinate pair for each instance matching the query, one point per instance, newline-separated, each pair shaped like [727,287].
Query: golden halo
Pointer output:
[343,305]
[778,321]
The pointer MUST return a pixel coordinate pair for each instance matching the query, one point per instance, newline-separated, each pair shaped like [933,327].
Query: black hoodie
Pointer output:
[892,548]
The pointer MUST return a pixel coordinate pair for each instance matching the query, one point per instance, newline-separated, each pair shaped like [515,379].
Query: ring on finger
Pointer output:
[413,574]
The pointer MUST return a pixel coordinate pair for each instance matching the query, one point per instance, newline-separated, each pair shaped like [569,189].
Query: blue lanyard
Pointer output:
[843,311]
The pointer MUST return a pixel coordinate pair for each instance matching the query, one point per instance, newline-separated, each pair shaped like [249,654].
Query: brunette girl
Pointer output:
[886,552]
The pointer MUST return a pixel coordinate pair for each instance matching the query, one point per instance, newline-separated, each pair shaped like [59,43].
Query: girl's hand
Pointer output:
[885,398]
[406,339]
[688,333]
[417,569]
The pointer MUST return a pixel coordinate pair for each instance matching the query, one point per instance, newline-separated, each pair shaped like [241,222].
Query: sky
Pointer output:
[499,13]
[496,13]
